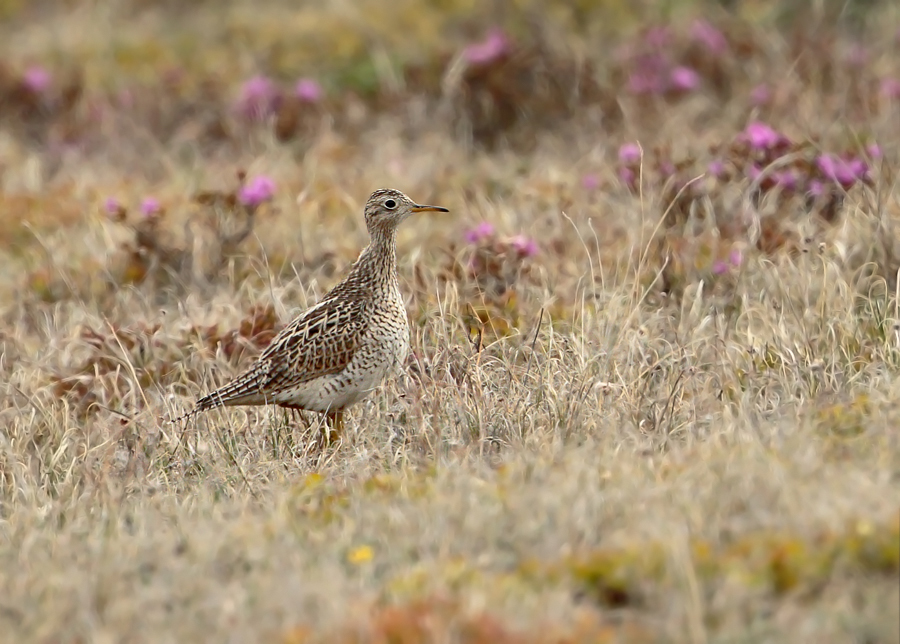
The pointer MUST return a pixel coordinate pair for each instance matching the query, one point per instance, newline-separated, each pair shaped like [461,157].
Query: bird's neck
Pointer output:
[379,259]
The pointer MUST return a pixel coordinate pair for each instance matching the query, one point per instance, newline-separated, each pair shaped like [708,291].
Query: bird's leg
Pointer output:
[297,415]
[333,433]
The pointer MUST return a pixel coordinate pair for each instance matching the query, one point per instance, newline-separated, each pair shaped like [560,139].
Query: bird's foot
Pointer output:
[329,434]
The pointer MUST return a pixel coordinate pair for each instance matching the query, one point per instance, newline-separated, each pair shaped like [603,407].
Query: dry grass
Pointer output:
[606,442]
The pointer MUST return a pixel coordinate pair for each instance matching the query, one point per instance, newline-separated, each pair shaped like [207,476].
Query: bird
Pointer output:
[337,352]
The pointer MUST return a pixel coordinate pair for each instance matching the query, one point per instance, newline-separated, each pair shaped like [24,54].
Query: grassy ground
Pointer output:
[654,391]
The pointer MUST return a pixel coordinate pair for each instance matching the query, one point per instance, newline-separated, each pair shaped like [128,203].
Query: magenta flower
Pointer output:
[256,191]
[626,176]
[760,95]
[754,172]
[817,188]
[590,182]
[150,207]
[481,232]
[890,88]
[112,206]
[36,79]
[708,36]
[719,267]
[644,83]
[844,172]
[684,79]
[257,87]
[525,246]
[735,258]
[787,179]
[859,168]
[494,46]
[648,76]
[259,98]
[308,90]
[874,150]
[716,168]
[630,153]
[762,137]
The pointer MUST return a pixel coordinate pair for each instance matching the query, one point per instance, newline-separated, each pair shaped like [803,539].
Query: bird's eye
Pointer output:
[390,204]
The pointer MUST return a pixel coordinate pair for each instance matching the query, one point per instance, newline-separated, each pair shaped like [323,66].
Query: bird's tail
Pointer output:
[246,389]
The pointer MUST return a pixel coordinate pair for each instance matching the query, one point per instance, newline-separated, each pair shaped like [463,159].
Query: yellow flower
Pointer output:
[360,555]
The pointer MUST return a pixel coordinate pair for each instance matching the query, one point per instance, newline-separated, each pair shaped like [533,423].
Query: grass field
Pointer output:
[654,391]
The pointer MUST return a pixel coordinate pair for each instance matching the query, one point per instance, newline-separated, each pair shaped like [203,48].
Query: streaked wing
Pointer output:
[320,342]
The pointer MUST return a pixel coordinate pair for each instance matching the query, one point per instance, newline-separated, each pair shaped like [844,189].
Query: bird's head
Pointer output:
[387,208]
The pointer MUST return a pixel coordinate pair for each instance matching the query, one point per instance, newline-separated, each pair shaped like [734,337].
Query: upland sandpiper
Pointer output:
[335,353]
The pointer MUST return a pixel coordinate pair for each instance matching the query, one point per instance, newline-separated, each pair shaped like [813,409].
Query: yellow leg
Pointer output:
[336,420]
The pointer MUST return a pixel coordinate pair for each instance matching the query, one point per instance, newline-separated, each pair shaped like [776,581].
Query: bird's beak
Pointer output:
[428,209]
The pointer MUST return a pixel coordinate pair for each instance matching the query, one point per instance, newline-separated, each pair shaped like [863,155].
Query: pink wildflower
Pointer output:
[112,206]
[754,172]
[36,79]
[494,46]
[256,191]
[648,75]
[719,267]
[630,153]
[787,179]
[481,232]
[707,35]
[890,88]
[762,137]
[716,168]
[760,95]
[150,207]
[817,188]
[308,90]
[844,172]
[525,246]
[590,182]
[259,98]
[684,79]
[644,83]
[626,176]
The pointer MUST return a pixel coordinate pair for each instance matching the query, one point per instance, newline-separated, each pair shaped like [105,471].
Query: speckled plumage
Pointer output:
[335,353]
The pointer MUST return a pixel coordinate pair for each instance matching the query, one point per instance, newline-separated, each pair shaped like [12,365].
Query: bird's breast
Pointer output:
[390,327]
